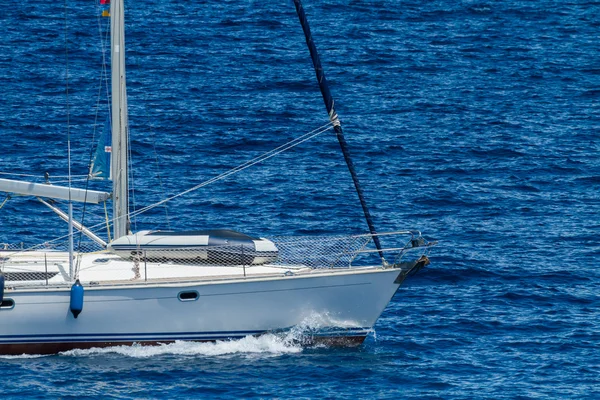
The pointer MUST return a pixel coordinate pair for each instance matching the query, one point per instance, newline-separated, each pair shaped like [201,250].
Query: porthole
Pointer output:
[190,295]
[7,304]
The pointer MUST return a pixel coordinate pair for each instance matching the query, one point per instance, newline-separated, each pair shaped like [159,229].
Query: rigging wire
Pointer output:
[23,175]
[247,164]
[103,77]
[72,180]
[44,177]
[70,217]
[162,188]
[265,156]
[103,83]
[66,176]
[156,157]
[67,99]
[131,183]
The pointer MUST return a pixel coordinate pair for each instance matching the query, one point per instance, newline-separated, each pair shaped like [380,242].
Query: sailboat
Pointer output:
[154,287]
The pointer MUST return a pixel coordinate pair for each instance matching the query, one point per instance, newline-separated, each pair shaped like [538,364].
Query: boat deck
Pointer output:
[49,267]
[39,268]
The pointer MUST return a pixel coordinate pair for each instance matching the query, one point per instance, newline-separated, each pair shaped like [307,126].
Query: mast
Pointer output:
[119,164]
[69,190]
[333,117]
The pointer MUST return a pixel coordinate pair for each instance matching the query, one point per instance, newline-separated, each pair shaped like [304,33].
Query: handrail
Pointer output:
[418,233]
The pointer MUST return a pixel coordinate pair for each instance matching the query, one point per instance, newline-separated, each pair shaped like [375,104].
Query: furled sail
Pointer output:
[100,166]
[333,117]
[52,191]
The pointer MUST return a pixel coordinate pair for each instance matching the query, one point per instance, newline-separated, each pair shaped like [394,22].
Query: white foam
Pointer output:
[268,344]
[316,321]
[22,356]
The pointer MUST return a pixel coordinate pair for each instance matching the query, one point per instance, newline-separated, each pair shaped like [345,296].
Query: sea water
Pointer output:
[473,121]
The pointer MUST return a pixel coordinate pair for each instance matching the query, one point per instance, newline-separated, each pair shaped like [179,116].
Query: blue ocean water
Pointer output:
[474,121]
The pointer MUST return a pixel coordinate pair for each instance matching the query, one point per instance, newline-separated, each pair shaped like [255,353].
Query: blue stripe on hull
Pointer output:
[109,335]
[169,336]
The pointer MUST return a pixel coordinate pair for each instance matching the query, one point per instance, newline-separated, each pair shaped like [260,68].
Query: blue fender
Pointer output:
[76,305]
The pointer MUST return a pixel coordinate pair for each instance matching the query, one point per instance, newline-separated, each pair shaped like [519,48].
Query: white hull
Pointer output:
[346,304]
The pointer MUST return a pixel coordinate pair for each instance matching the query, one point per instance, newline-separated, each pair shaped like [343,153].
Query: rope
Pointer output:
[5,200]
[107,221]
[24,175]
[73,180]
[66,176]
[53,176]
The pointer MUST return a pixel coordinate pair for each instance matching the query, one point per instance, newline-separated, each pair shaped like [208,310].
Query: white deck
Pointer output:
[105,268]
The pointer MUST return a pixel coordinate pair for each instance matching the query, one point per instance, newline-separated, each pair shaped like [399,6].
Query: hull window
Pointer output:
[188,296]
[7,304]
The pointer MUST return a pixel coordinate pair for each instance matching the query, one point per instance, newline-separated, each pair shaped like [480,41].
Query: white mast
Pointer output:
[119,164]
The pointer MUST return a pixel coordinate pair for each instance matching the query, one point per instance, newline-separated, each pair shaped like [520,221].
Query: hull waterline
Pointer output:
[55,348]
